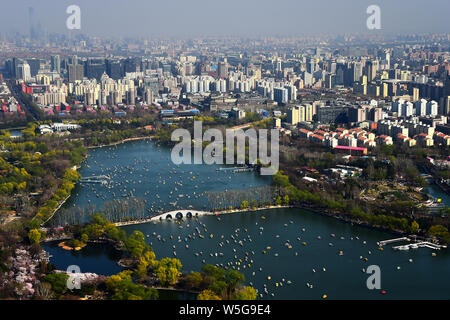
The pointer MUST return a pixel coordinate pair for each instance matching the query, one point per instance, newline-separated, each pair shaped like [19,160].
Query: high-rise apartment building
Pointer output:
[23,71]
[55,62]
[76,72]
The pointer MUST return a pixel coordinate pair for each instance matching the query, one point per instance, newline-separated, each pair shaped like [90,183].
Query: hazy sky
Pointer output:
[227,17]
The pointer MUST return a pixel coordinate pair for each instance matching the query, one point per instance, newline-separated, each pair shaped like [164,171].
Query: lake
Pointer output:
[241,240]
[144,171]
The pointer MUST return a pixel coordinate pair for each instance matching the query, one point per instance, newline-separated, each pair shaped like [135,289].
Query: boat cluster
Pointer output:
[238,249]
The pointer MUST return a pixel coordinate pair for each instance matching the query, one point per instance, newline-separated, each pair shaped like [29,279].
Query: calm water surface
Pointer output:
[143,170]
[239,239]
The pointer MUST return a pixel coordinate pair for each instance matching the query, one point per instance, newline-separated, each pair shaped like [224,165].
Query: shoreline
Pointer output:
[212,213]
[56,209]
[63,201]
[352,222]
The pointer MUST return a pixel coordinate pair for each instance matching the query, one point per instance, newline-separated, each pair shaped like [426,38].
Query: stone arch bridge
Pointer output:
[180,214]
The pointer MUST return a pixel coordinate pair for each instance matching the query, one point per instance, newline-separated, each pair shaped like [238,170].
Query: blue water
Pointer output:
[436,192]
[426,277]
[141,169]
[95,258]
[147,166]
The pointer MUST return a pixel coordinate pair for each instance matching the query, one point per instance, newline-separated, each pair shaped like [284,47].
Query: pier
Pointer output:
[95,179]
[423,244]
[236,169]
[384,242]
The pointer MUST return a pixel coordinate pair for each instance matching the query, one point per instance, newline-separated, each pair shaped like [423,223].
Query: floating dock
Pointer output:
[236,169]
[423,244]
[95,179]
[384,242]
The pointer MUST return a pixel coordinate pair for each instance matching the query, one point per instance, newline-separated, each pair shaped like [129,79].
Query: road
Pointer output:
[21,101]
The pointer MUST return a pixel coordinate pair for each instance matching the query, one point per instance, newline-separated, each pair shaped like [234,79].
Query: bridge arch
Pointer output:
[179,214]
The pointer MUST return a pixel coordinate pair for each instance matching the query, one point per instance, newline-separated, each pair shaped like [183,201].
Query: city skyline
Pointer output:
[233,18]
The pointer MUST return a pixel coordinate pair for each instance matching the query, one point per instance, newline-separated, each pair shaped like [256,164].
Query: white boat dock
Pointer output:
[423,244]
[384,242]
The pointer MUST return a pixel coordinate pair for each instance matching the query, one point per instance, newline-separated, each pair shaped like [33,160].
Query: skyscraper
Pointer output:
[329,80]
[421,107]
[386,59]
[31,22]
[95,68]
[416,94]
[372,68]
[357,71]
[114,69]
[148,96]
[280,95]
[222,69]
[23,72]
[311,65]
[300,114]
[56,63]
[447,87]
[76,72]
[131,96]
[36,30]
[445,105]
[309,112]
[292,115]
[35,65]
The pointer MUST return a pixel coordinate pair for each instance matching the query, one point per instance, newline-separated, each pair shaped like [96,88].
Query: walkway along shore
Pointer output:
[61,203]
[214,213]
[120,142]
[312,209]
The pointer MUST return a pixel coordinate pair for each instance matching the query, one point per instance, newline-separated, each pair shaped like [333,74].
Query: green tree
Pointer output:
[84,238]
[58,282]
[220,287]
[233,279]
[441,232]
[414,227]
[135,244]
[281,180]
[286,200]
[168,271]
[146,260]
[246,293]
[437,230]
[208,295]
[244,204]
[98,218]
[93,231]
[278,201]
[213,271]
[122,287]
[194,280]
[34,235]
